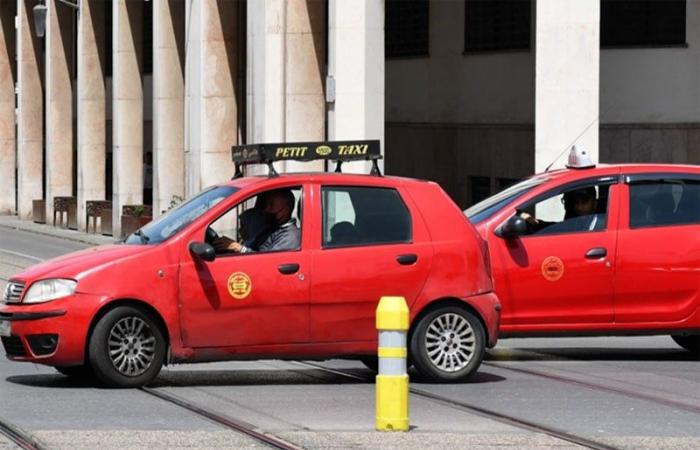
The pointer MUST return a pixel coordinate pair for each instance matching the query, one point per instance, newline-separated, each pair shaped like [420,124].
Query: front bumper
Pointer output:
[52,333]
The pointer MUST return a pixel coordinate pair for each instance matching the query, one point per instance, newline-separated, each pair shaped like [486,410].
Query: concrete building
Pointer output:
[132,105]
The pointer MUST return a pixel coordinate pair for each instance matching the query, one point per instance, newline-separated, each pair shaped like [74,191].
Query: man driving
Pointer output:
[580,207]
[284,233]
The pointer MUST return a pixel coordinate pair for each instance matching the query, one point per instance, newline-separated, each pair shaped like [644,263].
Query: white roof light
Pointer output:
[579,159]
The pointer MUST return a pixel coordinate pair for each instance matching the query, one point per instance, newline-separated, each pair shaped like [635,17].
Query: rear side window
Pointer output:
[363,216]
[664,202]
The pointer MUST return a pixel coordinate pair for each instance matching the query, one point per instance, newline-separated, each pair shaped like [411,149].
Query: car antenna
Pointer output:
[571,145]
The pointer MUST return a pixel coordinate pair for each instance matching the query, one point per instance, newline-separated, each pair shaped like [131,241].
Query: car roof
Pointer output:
[606,169]
[323,177]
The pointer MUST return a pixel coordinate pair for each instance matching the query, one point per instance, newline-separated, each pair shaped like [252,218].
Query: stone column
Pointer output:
[59,103]
[127,106]
[356,67]
[92,134]
[30,117]
[567,73]
[168,102]
[8,162]
[212,95]
[286,73]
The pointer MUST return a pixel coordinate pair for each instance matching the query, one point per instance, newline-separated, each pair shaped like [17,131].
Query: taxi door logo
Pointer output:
[239,285]
[552,268]
[323,150]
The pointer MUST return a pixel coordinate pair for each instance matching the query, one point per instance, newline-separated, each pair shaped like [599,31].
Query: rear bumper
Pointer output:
[489,307]
[52,333]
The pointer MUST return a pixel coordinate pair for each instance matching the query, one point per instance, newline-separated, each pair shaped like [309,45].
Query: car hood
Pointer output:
[78,264]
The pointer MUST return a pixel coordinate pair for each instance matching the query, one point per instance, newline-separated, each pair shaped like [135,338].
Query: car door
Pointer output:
[371,243]
[561,272]
[658,272]
[255,298]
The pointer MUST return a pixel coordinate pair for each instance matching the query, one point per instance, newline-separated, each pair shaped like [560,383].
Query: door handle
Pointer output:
[597,253]
[406,260]
[288,269]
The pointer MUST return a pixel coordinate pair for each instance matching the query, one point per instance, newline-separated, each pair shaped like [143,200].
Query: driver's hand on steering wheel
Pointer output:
[528,218]
[223,243]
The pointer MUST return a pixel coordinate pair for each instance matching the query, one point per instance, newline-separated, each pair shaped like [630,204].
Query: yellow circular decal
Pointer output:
[239,285]
[552,268]
[323,150]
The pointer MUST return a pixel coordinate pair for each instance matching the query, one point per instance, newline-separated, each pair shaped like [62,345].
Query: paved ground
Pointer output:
[626,392]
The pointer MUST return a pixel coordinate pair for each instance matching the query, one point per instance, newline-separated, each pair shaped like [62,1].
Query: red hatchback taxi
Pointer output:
[607,250]
[211,281]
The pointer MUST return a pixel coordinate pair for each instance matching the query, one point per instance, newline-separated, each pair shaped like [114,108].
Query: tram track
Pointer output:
[18,437]
[226,421]
[599,387]
[480,411]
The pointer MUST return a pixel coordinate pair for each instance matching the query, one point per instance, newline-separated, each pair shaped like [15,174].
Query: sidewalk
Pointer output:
[14,223]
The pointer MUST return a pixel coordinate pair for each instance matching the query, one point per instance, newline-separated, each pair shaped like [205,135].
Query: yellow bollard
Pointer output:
[392,379]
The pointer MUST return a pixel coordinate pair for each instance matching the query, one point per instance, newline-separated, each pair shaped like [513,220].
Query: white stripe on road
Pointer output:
[22,255]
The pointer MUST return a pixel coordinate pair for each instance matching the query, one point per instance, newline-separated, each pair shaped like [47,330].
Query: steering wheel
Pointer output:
[210,236]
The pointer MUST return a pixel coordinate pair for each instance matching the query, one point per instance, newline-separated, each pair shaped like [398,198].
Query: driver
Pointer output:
[580,207]
[284,233]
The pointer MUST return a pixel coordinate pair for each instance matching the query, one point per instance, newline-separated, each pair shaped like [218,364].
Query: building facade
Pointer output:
[134,105]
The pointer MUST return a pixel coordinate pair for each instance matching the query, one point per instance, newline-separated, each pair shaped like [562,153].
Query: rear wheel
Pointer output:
[127,348]
[690,343]
[448,344]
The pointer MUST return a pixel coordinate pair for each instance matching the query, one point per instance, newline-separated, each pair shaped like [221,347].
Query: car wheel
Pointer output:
[448,344]
[127,348]
[371,362]
[77,372]
[690,343]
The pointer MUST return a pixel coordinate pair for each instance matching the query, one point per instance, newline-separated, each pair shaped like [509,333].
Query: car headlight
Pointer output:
[47,290]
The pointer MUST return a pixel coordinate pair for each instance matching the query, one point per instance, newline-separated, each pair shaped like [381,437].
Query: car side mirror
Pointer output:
[512,228]
[202,251]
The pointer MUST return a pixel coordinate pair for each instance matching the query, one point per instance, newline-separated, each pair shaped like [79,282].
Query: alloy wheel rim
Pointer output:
[450,342]
[132,346]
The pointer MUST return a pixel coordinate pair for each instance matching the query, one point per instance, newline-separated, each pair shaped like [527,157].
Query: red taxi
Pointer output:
[606,250]
[195,286]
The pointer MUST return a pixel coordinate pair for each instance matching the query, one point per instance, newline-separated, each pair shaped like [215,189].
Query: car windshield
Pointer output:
[178,218]
[488,207]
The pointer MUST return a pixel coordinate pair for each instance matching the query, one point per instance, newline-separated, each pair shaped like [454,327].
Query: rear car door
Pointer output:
[658,273]
[371,243]
[561,273]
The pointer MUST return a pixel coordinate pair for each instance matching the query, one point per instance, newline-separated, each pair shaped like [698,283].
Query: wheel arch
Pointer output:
[443,302]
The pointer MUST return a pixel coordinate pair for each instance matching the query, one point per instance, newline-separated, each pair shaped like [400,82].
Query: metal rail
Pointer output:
[484,412]
[600,387]
[228,422]
[18,437]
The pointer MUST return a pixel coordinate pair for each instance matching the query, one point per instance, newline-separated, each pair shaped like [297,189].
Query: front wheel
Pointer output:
[448,344]
[690,343]
[127,348]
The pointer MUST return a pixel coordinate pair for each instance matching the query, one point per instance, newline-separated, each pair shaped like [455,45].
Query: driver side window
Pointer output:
[583,208]
[269,221]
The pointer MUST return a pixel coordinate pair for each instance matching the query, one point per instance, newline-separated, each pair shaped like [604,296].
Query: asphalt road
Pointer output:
[641,392]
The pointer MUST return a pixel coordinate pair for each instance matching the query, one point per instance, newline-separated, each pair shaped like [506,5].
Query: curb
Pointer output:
[78,238]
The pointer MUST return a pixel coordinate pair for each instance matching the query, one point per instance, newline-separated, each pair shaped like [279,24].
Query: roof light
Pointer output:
[579,159]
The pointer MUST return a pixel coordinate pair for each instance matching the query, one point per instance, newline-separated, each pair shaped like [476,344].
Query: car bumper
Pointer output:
[489,307]
[52,333]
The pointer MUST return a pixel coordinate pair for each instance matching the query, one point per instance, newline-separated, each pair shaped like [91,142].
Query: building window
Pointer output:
[497,25]
[480,188]
[639,23]
[406,28]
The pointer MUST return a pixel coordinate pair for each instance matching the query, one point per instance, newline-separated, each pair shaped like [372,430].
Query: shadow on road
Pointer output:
[589,354]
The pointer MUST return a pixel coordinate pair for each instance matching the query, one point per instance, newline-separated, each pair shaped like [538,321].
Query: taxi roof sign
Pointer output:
[579,159]
[338,151]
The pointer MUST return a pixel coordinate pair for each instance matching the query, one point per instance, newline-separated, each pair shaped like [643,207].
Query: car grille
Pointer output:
[13,292]
[13,346]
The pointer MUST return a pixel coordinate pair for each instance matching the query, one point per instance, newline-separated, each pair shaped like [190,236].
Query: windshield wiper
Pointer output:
[143,237]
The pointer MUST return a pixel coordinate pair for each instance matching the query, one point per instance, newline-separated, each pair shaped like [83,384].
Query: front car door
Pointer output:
[561,272]
[256,298]
[373,243]
[658,271]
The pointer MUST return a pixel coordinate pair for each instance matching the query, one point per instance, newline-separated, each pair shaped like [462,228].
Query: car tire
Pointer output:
[371,362]
[448,344]
[77,372]
[127,348]
[690,343]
